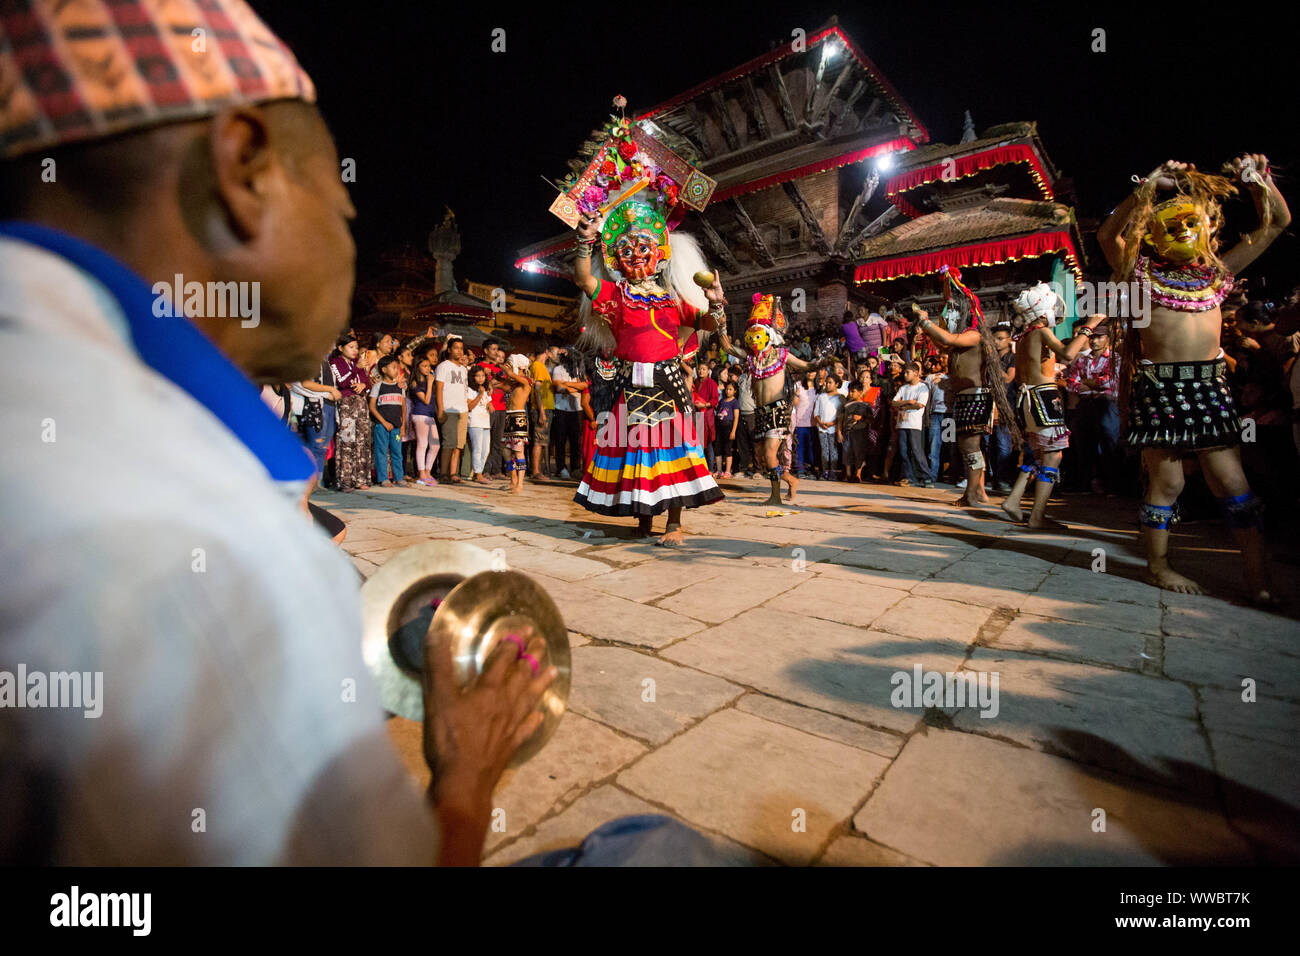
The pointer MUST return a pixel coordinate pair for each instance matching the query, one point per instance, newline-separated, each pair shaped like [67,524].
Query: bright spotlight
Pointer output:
[885,163]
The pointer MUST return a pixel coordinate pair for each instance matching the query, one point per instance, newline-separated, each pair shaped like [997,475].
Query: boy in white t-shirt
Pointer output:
[451,400]
[825,413]
[909,414]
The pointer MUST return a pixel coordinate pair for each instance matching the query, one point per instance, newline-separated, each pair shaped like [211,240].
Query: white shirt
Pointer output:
[913,417]
[455,378]
[745,393]
[223,621]
[827,407]
[480,416]
[939,382]
[564,400]
[804,399]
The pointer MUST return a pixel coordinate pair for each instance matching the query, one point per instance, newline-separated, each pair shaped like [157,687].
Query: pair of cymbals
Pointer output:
[457,595]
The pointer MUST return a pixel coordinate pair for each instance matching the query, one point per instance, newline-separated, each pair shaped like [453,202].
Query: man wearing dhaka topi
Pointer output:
[232,718]
[1175,397]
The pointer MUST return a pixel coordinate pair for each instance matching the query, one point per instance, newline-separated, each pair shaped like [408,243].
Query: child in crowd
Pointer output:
[727,418]
[825,415]
[805,397]
[856,428]
[909,414]
[516,431]
[424,421]
[588,429]
[480,420]
[388,409]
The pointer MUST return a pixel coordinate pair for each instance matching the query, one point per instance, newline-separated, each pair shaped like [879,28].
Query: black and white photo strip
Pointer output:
[719,436]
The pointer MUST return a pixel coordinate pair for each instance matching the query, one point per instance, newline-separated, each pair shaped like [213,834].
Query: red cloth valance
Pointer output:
[978,254]
[966,166]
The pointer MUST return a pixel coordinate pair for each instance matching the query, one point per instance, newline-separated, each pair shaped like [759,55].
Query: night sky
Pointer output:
[432,116]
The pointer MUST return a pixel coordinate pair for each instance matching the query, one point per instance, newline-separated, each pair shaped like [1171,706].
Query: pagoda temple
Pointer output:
[988,205]
[799,141]
[788,137]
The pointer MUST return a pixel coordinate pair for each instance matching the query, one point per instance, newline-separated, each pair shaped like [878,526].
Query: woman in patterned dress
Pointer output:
[352,442]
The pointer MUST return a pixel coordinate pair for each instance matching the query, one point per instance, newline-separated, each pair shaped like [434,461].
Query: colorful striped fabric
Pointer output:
[644,481]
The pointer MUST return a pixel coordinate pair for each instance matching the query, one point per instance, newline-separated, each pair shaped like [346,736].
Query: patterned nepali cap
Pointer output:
[73,70]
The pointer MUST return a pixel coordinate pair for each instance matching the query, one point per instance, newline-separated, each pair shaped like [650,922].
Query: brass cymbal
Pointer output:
[478,613]
[457,593]
[396,611]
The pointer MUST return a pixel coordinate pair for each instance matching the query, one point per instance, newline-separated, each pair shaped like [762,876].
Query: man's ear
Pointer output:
[242,160]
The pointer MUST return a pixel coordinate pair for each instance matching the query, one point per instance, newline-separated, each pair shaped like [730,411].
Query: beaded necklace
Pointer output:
[1183,288]
[767,362]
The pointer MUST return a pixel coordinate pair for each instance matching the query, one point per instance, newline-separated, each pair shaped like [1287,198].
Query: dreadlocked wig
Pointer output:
[995,381]
[968,304]
[1204,189]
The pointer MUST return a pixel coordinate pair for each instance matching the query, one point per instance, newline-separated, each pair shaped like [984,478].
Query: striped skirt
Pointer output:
[642,470]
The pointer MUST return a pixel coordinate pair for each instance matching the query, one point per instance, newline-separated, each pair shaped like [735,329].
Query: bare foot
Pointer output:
[1169,580]
[1046,524]
[672,539]
[790,497]
[516,489]
[1013,510]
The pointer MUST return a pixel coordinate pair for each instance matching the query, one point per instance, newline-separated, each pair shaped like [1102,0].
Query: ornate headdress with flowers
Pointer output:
[766,310]
[766,324]
[629,179]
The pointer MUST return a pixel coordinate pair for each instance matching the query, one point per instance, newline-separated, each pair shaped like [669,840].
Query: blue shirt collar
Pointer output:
[177,350]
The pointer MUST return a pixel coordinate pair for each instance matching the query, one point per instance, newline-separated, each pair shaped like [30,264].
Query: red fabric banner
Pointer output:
[978,254]
[966,166]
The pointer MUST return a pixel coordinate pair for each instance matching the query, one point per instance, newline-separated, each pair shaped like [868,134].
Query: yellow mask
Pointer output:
[1179,231]
[757,338]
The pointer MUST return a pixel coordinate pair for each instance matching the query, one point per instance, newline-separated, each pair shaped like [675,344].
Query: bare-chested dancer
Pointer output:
[1041,413]
[1174,396]
[766,360]
[976,379]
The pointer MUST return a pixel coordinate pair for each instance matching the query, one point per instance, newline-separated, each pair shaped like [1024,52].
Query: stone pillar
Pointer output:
[444,246]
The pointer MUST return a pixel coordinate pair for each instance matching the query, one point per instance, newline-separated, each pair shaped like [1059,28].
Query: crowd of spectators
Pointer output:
[430,409]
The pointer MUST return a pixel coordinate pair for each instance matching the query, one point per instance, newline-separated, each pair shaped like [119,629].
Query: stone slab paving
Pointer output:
[963,800]
[756,684]
[788,810]
[642,695]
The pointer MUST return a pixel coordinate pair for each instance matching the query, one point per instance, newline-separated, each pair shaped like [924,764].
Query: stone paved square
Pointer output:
[777,647]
